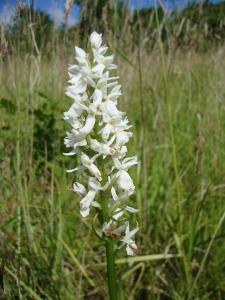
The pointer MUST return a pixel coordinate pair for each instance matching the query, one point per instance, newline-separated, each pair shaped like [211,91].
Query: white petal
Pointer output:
[95,40]
[102,50]
[73,152]
[106,226]
[85,159]
[75,139]
[123,152]
[95,204]
[87,162]
[72,170]
[90,81]
[93,184]
[80,53]
[86,202]
[106,131]
[95,171]
[132,159]
[106,60]
[112,84]
[124,181]
[97,97]
[121,196]
[131,249]
[114,194]
[84,211]
[127,224]
[73,68]
[73,113]
[74,77]
[131,233]
[110,108]
[93,159]
[98,69]
[123,137]
[117,164]
[118,213]
[112,67]
[100,147]
[79,189]
[131,209]
[89,125]
[116,89]
[80,86]
[126,163]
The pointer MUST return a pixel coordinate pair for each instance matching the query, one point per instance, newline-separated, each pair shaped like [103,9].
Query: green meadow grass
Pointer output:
[177,108]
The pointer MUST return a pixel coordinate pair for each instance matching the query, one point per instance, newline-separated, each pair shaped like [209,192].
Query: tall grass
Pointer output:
[175,102]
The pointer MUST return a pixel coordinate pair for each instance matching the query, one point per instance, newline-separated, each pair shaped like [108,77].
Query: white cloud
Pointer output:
[57,15]
[7,14]
[72,20]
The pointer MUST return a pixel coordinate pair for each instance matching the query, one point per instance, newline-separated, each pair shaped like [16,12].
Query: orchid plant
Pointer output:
[98,137]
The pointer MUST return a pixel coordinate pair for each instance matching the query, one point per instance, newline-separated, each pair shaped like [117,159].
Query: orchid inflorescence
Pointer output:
[99,134]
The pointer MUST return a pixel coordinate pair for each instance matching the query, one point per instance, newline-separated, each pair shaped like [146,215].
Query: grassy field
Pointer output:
[176,105]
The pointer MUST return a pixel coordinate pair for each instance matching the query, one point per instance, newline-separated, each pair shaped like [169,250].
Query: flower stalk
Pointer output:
[98,136]
[110,256]
[111,272]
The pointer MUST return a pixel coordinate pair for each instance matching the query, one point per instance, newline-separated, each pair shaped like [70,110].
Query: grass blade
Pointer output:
[77,263]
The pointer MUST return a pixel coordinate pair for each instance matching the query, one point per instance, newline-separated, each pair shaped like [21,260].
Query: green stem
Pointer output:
[111,273]
[110,254]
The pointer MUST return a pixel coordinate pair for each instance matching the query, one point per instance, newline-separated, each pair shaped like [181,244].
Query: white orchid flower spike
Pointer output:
[98,136]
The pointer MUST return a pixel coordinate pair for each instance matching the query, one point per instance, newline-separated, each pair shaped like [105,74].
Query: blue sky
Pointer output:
[55,8]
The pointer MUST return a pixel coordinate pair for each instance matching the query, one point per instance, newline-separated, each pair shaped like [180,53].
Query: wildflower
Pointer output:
[131,247]
[98,136]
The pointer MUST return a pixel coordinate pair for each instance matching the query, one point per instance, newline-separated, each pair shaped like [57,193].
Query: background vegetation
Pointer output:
[172,71]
